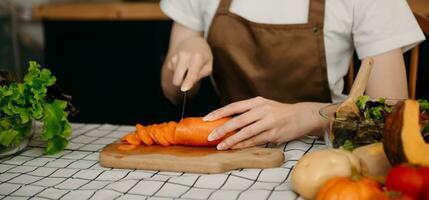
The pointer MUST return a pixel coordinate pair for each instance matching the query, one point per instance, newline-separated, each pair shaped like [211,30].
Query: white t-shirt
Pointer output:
[371,26]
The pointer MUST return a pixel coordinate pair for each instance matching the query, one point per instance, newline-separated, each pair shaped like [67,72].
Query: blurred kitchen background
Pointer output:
[107,54]
[21,37]
[110,65]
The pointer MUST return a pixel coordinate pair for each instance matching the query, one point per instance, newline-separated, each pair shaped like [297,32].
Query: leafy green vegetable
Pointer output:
[361,102]
[368,126]
[375,110]
[426,128]
[7,136]
[370,123]
[374,113]
[30,100]
[425,131]
[424,104]
[12,131]
[56,144]
[348,145]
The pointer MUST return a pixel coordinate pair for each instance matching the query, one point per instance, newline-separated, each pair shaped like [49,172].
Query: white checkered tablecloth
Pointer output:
[76,174]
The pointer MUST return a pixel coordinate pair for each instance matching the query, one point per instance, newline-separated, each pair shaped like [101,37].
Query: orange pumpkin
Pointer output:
[346,188]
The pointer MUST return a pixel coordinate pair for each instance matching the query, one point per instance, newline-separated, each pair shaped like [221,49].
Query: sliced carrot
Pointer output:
[124,138]
[189,131]
[151,132]
[133,139]
[126,147]
[143,135]
[170,130]
[159,135]
[165,132]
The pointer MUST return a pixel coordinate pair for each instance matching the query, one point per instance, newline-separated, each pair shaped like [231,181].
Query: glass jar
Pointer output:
[14,135]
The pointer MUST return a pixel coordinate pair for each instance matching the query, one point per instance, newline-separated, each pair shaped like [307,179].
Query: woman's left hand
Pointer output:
[261,120]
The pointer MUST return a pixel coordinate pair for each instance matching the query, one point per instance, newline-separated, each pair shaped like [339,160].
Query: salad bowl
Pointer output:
[14,134]
[354,131]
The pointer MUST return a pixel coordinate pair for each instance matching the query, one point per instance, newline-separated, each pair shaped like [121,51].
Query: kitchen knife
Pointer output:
[183,105]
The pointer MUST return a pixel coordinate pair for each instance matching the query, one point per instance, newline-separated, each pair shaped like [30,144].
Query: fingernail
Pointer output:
[220,146]
[184,88]
[212,136]
[207,118]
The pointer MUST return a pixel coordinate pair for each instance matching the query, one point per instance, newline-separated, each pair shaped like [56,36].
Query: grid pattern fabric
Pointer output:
[75,173]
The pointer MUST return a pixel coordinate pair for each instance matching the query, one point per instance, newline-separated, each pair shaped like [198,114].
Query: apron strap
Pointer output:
[317,13]
[223,6]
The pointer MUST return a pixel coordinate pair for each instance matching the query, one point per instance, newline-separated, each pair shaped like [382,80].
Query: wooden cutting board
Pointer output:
[190,159]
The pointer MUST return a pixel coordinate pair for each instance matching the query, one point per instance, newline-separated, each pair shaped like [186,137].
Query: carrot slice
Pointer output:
[143,135]
[151,132]
[133,139]
[159,135]
[126,147]
[170,130]
[124,138]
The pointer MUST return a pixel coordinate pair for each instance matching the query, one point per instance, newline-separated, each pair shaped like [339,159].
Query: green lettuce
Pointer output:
[361,102]
[424,104]
[375,110]
[30,100]
[348,145]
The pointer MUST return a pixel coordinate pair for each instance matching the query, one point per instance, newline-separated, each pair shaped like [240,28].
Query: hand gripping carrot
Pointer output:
[194,131]
[191,131]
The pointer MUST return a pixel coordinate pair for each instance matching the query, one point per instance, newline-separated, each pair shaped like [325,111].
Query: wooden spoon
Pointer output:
[348,108]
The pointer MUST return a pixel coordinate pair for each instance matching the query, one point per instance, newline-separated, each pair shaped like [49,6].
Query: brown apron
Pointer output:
[285,63]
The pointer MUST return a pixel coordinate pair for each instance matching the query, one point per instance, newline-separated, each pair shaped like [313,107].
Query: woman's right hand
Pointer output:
[189,62]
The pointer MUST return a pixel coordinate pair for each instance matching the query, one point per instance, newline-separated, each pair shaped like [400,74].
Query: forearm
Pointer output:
[387,80]
[388,76]
[311,118]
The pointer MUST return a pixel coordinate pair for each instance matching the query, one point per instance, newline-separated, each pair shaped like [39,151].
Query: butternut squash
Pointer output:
[373,161]
[402,139]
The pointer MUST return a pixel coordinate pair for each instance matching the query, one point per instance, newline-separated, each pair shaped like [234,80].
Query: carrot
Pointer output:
[159,135]
[127,147]
[194,131]
[124,138]
[151,132]
[143,135]
[133,139]
[170,129]
[189,131]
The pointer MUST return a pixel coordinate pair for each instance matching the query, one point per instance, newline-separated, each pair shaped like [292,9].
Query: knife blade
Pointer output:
[183,105]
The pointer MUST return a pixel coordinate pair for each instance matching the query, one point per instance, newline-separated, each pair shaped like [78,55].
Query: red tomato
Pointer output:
[426,196]
[406,179]
[424,171]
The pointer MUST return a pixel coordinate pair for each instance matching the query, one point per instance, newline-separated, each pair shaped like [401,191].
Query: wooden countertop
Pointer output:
[100,11]
[421,11]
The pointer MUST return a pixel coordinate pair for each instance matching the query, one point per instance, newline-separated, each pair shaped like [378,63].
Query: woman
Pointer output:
[277,62]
